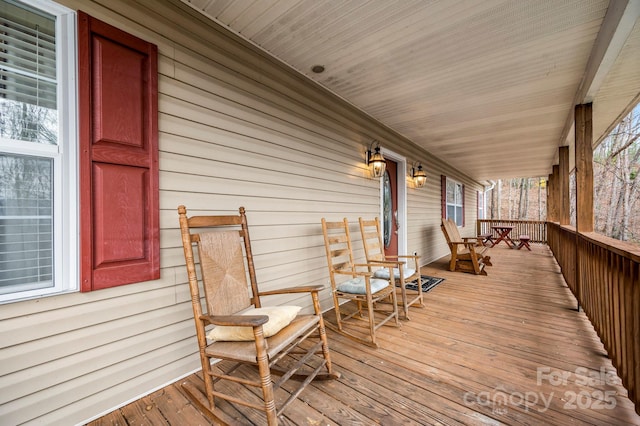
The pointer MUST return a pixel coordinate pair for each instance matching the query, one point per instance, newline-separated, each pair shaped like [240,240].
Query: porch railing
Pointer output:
[535,229]
[604,276]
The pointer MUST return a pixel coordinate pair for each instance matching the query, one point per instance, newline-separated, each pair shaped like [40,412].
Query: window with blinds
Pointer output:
[28,74]
[26,223]
[32,161]
[455,201]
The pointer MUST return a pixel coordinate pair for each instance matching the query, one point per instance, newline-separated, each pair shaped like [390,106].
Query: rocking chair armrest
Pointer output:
[465,243]
[236,320]
[415,257]
[387,264]
[291,290]
[405,256]
[351,272]
[471,238]
[384,263]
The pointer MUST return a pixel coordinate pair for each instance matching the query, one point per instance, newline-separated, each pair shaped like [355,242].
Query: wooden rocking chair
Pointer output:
[467,254]
[403,273]
[359,287]
[245,332]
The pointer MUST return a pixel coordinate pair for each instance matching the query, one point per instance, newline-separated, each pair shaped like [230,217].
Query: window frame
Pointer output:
[64,156]
[446,203]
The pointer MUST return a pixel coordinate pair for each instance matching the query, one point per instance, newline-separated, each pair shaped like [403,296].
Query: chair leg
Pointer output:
[359,305]
[208,380]
[265,378]
[372,325]
[452,262]
[394,303]
[336,304]
[323,335]
[476,265]
[420,293]
[204,401]
[405,302]
[199,400]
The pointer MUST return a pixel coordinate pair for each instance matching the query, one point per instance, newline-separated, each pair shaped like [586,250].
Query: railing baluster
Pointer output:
[536,229]
[609,292]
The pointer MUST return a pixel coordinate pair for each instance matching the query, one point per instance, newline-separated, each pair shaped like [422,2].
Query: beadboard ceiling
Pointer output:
[488,86]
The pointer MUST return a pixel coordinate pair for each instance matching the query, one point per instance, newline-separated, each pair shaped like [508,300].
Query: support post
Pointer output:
[584,168]
[547,186]
[550,217]
[563,180]
[584,181]
[554,196]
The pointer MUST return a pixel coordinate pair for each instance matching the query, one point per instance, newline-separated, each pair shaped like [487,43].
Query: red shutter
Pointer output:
[118,110]
[443,196]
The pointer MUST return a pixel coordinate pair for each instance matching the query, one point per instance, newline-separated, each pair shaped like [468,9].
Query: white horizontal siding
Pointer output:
[235,130]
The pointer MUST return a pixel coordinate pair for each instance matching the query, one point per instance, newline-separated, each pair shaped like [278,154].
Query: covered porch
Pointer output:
[507,348]
[278,112]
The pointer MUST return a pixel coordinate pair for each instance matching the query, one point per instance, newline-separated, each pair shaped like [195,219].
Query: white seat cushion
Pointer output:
[279,318]
[384,273]
[357,286]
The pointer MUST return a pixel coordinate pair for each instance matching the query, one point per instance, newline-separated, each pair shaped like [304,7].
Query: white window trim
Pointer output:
[64,155]
[447,203]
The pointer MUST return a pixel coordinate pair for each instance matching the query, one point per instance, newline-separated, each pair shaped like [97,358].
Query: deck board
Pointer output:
[469,357]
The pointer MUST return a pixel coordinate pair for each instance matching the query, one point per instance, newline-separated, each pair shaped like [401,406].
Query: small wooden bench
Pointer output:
[486,238]
[524,242]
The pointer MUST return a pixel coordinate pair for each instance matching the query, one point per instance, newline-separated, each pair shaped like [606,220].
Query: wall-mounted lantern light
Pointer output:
[419,176]
[375,161]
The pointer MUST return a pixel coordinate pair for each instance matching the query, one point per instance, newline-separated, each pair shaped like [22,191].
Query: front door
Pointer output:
[390,209]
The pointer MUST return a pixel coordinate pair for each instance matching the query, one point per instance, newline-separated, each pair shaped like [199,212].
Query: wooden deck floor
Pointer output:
[509,348]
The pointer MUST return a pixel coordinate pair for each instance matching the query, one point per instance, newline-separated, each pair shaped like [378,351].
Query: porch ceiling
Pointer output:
[474,82]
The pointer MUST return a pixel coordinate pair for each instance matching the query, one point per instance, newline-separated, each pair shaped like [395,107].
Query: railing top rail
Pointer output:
[511,220]
[621,248]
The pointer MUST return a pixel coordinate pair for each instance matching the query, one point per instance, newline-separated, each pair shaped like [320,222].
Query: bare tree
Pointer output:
[616,186]
[499,200]
[515,199]
[616,164]
[523,204]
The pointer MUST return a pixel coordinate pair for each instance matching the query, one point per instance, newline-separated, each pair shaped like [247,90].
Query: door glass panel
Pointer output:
[387,212]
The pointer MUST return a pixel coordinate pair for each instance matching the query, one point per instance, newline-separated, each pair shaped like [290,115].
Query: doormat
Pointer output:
[428,283]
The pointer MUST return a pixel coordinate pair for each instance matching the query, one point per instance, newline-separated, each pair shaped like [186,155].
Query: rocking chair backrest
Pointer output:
[222,263]
[372,240]
[224,278]
[338,247]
